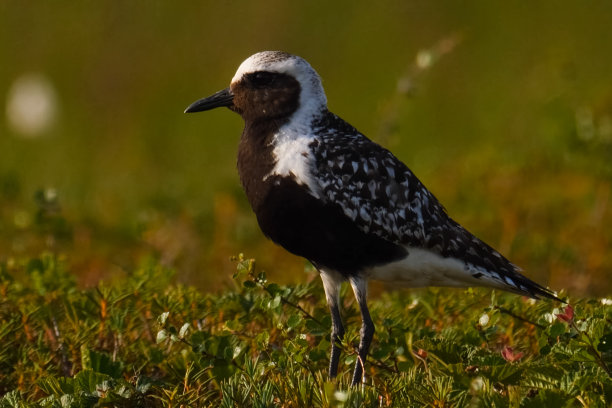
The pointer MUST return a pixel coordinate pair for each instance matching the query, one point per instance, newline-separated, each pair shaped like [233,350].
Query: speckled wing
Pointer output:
[376,190]
[383,197]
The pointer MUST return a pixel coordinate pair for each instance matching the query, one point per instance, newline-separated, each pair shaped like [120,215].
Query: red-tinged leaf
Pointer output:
[567,315]
[509,355]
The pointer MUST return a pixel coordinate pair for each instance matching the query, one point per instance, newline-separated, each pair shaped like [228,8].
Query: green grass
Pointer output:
[142,340]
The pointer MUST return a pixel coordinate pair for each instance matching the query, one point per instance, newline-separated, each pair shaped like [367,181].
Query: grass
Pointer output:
[142,340]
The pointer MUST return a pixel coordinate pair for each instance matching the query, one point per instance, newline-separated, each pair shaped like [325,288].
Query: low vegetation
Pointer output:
[145,341]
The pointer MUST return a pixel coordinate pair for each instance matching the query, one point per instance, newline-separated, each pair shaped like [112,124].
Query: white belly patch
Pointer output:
[424,268]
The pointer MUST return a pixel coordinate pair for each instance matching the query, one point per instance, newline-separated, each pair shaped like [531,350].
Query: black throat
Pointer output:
[266,101]
[256,160]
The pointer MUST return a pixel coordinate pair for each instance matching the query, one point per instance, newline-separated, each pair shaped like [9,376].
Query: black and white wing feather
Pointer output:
[383,197]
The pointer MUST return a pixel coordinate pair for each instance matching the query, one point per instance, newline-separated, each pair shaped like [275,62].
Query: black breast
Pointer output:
[255,160]
[320,232]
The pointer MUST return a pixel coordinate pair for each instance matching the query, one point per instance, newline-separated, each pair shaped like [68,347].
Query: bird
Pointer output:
[325,192]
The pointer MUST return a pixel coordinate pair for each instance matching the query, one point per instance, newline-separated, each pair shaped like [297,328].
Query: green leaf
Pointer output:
[162,335]
[249,284]
[273,289]
[100,363]
[198,338]
[293,321]
[315,328]
[274,303]
[161,319]
[557,329]
[183,331]
[234,325]
[88,381]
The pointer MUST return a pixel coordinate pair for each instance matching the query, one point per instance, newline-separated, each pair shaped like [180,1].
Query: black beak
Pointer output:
[221,98]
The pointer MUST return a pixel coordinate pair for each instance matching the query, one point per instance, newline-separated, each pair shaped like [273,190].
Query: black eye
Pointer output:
[262,79]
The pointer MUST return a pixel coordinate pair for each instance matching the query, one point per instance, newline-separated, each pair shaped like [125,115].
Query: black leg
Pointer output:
[367,328]
[331,283]
[336,338]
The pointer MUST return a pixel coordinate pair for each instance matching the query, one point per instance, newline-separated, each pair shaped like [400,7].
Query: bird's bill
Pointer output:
[224,97]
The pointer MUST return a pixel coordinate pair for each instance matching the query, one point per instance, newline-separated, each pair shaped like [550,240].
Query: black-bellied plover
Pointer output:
[325,192]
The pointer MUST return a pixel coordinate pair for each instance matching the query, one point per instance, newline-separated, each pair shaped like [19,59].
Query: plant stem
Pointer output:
[592,349]
[522,319]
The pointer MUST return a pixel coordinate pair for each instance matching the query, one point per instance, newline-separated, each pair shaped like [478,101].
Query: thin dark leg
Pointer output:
[336,338]
[332,282]
[367,328]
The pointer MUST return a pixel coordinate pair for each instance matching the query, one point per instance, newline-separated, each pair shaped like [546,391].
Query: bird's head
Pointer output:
[270,85]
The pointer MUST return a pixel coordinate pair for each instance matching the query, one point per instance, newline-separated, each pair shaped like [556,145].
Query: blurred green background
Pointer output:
[503,109]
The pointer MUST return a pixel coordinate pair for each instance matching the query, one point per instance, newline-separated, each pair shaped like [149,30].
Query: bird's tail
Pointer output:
[527,287]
